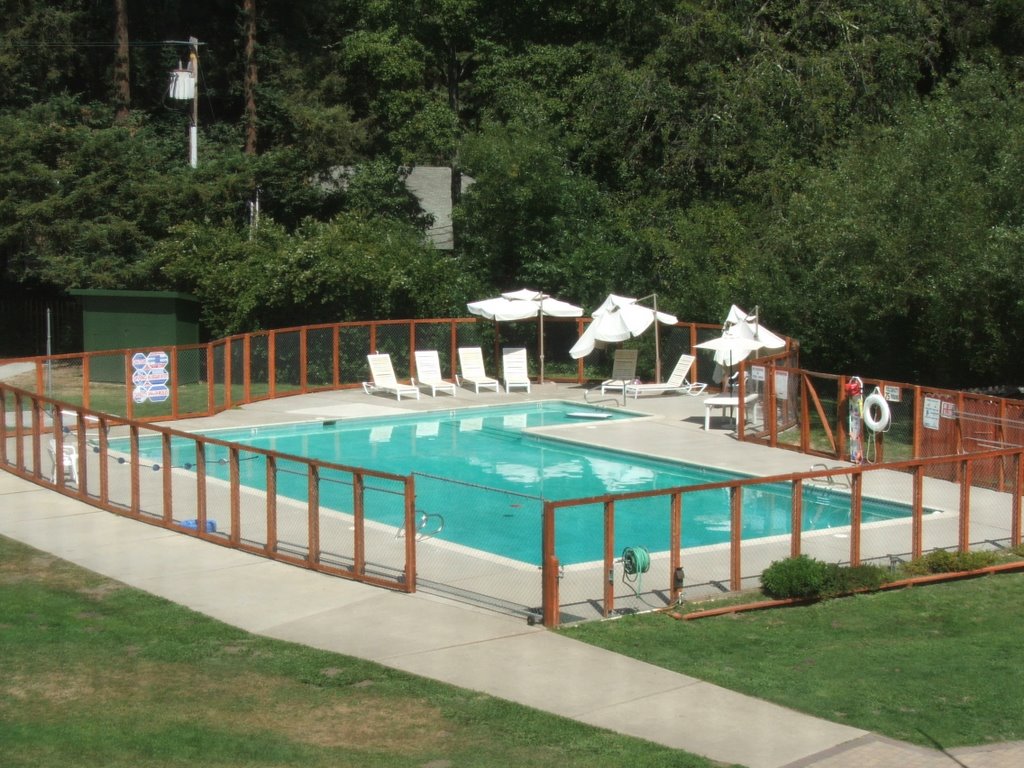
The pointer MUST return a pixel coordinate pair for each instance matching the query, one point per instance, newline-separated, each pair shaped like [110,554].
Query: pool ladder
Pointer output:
[421,532]
[830,480]
[603,399]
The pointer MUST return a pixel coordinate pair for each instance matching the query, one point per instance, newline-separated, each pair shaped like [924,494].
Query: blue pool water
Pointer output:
[480,475]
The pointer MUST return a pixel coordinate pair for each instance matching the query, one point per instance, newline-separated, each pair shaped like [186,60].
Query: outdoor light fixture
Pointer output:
[184,86]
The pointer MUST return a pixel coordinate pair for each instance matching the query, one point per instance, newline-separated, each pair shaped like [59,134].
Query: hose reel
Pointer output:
[636,561]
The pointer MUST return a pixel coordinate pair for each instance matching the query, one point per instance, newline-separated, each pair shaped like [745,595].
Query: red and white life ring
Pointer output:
[877,416]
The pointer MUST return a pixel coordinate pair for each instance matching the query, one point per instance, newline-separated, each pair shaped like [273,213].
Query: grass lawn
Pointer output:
[95,673]
[940,666]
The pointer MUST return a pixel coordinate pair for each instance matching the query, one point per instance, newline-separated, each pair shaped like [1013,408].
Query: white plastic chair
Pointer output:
[428,373]
[514,368]
[677,382]
[68,462]
[384,380]
[471,362]
[623,370]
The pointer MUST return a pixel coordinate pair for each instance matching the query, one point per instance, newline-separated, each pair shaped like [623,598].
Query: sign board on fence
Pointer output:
[930,416]
[757,372]
[150,377]
[158,393]
[893,394]
[781,385]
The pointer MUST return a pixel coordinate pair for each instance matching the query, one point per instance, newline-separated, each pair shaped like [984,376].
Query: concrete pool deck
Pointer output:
[458,643]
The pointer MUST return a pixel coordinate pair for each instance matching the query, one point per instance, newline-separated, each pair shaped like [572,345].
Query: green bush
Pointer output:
[805,577]
[795,577]
[944,561]
[854,578]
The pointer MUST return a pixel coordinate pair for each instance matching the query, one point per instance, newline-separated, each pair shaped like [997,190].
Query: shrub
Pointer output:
[795,577]
[944,561]
[805,577]
[854,578]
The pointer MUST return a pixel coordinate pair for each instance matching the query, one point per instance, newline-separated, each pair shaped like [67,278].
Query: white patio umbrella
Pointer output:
[525,304]
[730,348]
[620,318]
[749,326]
[742,335]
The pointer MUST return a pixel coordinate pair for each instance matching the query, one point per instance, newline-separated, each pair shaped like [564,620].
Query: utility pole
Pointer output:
[193,134]
[185,87]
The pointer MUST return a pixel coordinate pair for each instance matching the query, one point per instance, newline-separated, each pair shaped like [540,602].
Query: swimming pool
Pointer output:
[483,478]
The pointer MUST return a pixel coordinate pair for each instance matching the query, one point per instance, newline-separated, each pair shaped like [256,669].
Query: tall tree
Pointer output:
[249,24]
[439,41]
[122,84]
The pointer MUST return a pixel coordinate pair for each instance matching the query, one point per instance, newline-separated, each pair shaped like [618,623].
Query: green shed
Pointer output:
[133,320]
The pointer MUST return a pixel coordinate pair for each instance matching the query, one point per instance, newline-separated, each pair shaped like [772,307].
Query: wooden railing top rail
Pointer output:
[744,482]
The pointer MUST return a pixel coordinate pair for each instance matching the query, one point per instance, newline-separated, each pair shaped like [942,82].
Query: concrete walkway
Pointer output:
[455,643]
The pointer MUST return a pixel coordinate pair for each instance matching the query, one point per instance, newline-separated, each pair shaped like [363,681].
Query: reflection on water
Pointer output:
[479,469]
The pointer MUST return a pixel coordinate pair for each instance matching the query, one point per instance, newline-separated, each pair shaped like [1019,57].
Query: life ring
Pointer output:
[879,423]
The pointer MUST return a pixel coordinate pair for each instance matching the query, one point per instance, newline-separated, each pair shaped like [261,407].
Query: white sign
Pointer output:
[892,393]
[158,393]
[932,410]
[781,385]
[757,372]
[150,377]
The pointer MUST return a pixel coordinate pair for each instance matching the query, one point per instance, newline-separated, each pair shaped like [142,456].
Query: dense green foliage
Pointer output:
[852,168]
[804,577]
[944,561]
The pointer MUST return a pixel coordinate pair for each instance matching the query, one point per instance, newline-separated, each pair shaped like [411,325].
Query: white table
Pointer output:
[726,402]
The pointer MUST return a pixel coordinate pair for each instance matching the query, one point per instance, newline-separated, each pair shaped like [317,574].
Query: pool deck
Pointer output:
[462,644]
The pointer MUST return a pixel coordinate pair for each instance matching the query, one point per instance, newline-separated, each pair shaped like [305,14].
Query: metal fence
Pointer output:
[951,462]
[347,521]
[880,514]
[204,379]
[810,412]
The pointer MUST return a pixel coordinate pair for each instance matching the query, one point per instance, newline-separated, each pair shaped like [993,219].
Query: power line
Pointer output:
[76,44]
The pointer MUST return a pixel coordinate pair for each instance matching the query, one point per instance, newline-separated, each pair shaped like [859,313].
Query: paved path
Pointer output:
[456,643]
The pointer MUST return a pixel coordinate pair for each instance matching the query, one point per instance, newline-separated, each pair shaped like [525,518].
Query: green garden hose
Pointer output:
[636,561]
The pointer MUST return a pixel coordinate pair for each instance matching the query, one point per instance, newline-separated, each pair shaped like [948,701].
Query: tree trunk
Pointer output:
[122,86]
[452,76]
[249,22]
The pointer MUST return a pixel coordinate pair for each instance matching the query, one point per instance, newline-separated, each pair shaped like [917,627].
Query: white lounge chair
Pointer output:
[677,382]
[428,373]
[623,370]
[471,362]
[68,462]
[383,375]
[513,368]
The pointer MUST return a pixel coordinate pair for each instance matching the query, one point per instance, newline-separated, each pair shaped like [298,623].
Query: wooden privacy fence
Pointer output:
[178,489]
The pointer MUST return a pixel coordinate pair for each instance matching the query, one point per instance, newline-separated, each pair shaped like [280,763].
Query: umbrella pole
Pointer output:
[657,350]
[540,315]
